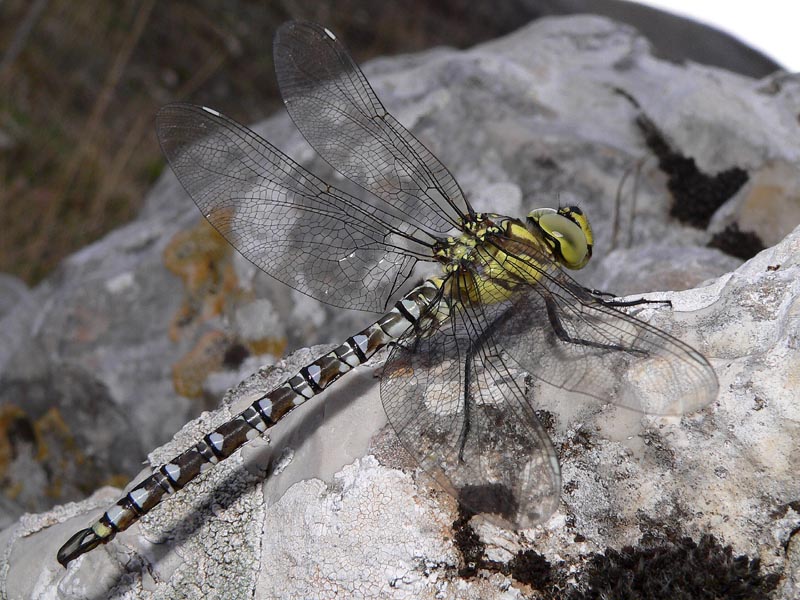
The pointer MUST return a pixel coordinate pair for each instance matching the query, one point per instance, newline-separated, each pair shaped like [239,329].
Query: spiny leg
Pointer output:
[636,302]
[475,346]
[561,333]
[467,402]
[609,299]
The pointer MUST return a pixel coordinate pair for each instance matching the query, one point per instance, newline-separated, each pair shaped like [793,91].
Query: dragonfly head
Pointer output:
[566,231]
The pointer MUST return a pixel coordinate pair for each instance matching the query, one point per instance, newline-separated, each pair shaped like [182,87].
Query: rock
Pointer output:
[13,291]
[656,267]
[547,114]
[329,523]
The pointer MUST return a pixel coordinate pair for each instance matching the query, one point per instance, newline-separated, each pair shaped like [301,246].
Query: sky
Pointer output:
[770,26]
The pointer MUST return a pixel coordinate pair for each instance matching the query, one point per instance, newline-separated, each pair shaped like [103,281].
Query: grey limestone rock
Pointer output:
[332,507]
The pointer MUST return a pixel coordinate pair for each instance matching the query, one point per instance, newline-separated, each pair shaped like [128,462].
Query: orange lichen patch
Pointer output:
[223,220]
[54,489]
[68,457]
[202,259]
[189,373]
[52,425]
[193,255]
[13,491]
[275,346]
[51,429]
[48,431]
[396,368]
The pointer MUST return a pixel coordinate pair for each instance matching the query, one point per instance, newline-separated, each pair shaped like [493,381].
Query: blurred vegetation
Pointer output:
[80,83]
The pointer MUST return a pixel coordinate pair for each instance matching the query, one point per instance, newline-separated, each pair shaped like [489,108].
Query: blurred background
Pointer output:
[80,84]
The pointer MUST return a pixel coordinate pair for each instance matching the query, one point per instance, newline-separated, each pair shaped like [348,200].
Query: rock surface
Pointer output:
[544,116]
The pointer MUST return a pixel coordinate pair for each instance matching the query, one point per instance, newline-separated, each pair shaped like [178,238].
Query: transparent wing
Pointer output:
[563,335]
[288,222]
[457,408]
[335,108]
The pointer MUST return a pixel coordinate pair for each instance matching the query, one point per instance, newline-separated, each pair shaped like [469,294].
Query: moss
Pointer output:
[526,567]
[531,568]
[738,243]
[685,570]
[469,544]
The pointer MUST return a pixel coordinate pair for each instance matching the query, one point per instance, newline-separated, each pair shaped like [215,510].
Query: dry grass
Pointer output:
[80,83]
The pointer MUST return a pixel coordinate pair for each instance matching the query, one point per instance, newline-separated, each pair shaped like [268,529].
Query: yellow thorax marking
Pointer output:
[496,273]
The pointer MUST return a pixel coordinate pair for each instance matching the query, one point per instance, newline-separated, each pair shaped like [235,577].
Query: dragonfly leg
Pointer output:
[467,403]
[474,347]
[609,299]
[636,302]
[561,333]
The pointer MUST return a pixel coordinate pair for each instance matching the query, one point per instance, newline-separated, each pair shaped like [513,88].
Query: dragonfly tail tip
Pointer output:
[80,543]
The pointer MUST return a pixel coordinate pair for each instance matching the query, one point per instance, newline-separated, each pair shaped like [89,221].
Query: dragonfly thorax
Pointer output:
[458,252]
[495,255]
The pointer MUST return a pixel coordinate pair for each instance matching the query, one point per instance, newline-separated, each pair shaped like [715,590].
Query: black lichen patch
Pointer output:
[20,431]
[527,567]
[235,355]
[685,570]
[531,568]
[546,162]
[738,243]
[469,544]
[662,452]
[547,419]
[666,529]
[781,511]
[568,487]
[696,195]
[664,566]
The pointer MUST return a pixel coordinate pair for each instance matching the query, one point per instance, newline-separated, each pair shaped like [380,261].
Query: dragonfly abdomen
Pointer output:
[252,422]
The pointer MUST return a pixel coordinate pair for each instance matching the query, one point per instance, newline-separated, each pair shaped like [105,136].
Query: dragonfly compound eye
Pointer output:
[568,233]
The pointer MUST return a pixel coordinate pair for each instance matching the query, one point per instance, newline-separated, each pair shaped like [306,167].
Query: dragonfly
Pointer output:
[500,303]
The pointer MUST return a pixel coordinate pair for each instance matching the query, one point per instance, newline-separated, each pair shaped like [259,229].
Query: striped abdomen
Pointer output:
[252,422]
